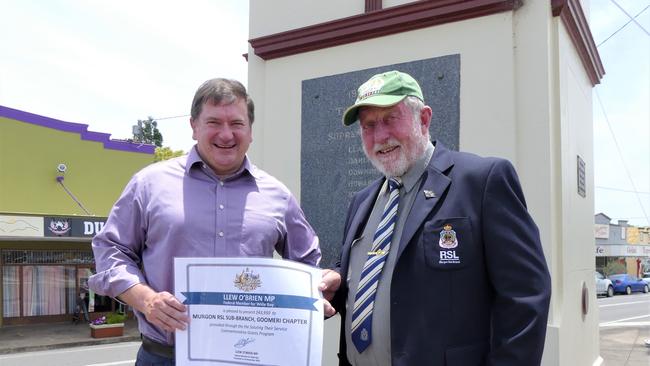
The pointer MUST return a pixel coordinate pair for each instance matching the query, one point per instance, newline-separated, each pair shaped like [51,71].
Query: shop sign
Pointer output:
[73,227]
[622,250]
[23,226]
[601,231]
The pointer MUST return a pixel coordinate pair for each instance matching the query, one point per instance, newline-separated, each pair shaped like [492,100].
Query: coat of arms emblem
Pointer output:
[247,280]
[448,238]
[59,227]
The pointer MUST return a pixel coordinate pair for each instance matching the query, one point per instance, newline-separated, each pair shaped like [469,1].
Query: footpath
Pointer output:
[39,337]
[619,346]
[625,345]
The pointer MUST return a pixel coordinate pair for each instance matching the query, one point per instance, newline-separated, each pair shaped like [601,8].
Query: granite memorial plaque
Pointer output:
[333,165]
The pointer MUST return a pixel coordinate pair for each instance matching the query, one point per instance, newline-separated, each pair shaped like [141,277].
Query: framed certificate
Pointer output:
[249,311]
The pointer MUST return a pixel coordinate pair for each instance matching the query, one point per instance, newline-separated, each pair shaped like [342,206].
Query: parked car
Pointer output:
[626,284]
[646,278]
[604,285]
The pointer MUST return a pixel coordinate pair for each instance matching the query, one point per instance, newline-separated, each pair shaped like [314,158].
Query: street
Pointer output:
[624,325]
[117,354]
[624,310]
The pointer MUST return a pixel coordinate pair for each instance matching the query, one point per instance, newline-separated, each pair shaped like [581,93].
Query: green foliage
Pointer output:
[614,267]
[114,318]
[165,153]
[147,132]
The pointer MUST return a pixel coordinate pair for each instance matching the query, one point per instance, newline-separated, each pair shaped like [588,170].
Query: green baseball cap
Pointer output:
[383,90]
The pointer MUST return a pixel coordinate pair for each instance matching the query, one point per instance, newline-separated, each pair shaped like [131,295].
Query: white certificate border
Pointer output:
[187,288]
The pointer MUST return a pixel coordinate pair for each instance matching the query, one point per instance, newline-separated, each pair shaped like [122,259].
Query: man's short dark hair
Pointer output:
[221,91]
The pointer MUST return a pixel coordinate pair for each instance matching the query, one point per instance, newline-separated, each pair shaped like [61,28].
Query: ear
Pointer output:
[425,118]
[194,125]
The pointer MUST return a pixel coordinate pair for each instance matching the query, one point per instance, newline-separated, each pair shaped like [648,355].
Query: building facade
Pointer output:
[521,90]
[621,243]
[58,182]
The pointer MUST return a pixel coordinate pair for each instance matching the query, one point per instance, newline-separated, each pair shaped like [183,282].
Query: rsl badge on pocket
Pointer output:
[448,240]
[448,244]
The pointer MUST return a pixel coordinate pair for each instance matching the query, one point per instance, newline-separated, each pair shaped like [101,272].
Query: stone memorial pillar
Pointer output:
[504,78]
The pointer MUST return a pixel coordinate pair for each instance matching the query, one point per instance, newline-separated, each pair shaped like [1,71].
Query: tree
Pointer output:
[146,131]
[164,153]
[614,267]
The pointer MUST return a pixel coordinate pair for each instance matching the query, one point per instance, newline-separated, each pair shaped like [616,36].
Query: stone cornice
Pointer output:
[420,14]
[577,26]
[373,24]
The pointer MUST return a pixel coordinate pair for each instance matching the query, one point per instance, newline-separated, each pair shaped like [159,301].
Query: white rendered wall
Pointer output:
[579,338]
[275,16]
[524,96]
[281,15]
[390,3]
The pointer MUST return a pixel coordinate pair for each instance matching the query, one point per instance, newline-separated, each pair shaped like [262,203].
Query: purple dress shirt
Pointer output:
[179,208]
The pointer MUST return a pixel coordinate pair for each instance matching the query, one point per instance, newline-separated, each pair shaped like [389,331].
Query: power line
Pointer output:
[624,25]
[620,190]
[160,119]
[631,18]
[620,154]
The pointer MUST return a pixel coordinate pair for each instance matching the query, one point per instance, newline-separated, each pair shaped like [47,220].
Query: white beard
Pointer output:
[400,164]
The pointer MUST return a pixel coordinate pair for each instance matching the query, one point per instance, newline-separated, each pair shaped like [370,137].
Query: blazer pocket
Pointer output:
[472,355]
[448,243]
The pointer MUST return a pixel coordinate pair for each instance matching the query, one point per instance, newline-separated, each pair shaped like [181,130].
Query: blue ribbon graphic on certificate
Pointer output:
[249,311]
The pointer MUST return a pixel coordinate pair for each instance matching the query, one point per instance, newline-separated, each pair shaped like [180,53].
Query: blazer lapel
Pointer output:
[435,181]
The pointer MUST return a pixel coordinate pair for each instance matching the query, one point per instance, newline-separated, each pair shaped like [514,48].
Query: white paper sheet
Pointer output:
[249,311]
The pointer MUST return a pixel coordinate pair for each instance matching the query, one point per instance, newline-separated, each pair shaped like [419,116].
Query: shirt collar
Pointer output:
[193,159]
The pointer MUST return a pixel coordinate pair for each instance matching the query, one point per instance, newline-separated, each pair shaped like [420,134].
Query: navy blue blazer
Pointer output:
[470,285]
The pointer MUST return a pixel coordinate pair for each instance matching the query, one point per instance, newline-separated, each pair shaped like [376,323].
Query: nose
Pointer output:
[382,134]
[225,133]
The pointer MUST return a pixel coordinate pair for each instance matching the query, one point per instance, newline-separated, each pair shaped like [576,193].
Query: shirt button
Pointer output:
[221,207]
[220,233]
[221,183]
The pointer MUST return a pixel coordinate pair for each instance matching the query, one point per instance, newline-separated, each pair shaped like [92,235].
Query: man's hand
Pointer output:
[330,282]
[161,309]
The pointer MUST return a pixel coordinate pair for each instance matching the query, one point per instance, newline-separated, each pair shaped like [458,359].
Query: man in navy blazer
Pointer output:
[456,275]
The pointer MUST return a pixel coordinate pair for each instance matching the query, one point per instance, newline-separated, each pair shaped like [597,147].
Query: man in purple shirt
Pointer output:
[210,203]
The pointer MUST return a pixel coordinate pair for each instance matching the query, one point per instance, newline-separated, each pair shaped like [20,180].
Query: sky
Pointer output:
[109,63]
[621,111]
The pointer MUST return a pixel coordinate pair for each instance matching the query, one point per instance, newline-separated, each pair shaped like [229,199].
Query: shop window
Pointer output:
[601,262]
[10,291]
[94,302]
[42,283]
[44,290]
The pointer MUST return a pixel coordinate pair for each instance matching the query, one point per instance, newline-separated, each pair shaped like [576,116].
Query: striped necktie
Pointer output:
[361,326]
